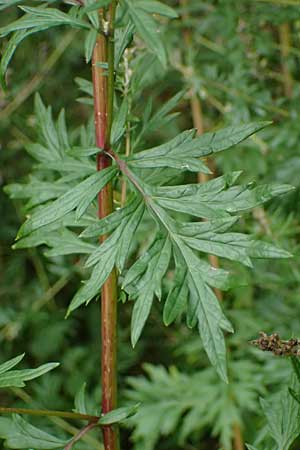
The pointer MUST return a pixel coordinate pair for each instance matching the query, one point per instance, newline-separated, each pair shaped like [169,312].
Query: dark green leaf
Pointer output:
[147,29]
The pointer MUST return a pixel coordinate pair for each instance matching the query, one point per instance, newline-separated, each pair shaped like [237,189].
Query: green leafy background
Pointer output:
[237,68]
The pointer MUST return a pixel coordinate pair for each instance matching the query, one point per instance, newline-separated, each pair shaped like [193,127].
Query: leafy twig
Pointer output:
[81,433]
[49,413]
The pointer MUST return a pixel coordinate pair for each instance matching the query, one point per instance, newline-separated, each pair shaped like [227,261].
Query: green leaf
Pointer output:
[83,152]
[123,40]
[112,221]
[17,378]
[205,308]
[161,118]
[296,367]
[118,415]
[119,123]
[78,169]
[111,241]
[11,47]
[146,27]
[20,434]
[8,3]
[95,5]
[80,405]
[216,199]
[68,202]
[177,297]
[220,140]
[89,44]
[11,363]
[85,86]
[140,266]
[148,286]
[128,234]
[234,246]
[295,395]
[283,418]
[183,163]
[37,191]
[218,278]
[164,149]
[155,7]
[203,145]
[42,17]
[62,130]
[47,129]
[104,261]
[64,242]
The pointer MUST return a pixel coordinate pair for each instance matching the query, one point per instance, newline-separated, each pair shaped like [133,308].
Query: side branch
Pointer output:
[49,413]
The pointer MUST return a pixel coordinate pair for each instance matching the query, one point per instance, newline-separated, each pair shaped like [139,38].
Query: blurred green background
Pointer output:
[241,61]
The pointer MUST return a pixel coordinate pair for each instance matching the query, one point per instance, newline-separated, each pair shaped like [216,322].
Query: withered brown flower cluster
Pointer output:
[278,347]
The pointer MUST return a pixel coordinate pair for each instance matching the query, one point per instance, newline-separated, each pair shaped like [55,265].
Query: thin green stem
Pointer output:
[58,421]
[111,67]
[49,413]
[80,435]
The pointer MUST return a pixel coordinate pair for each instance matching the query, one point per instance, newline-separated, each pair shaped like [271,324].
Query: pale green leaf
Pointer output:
[283,418]
[42,17]
[189,164]
[93,285]
[147,287]
[112,221]
[118,415]
[95,5]
[155,7]
[67,202]
[128,235]
[89,44]
[64,242]
[17,378]
[62,130]
[79,401]
[11,363]
[19,434]
[119,123]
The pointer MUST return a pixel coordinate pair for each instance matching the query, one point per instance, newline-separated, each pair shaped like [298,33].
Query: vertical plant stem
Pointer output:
[198,123]
[103,83]
[238,438]
[127,134]
[285,44]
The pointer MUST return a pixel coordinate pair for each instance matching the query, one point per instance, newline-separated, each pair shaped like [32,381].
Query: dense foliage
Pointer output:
[225,67]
